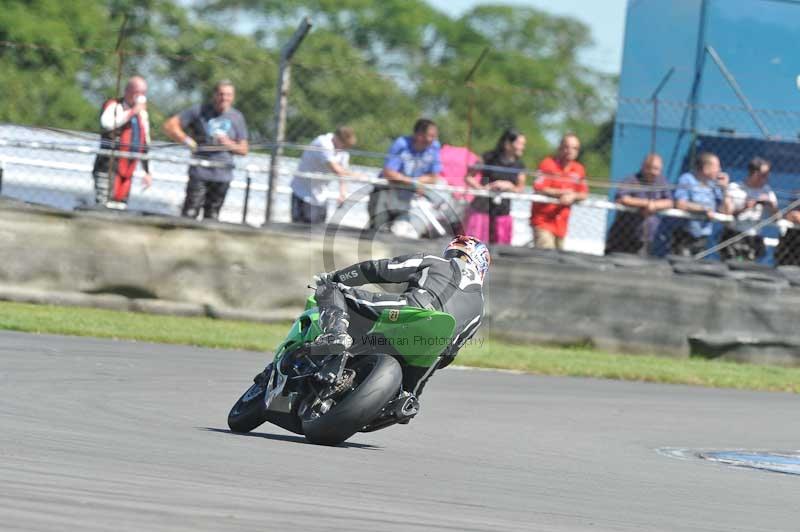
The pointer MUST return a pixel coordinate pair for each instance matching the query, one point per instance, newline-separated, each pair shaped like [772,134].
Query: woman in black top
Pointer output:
[502,171]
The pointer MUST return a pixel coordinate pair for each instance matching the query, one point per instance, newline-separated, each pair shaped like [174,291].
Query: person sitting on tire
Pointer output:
[452,284]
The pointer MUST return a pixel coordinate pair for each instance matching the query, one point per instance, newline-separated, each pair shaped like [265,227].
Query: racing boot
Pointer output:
[333,318]
[334,324]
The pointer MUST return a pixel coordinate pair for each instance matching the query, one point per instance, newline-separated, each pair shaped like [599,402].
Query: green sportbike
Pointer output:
[329,396]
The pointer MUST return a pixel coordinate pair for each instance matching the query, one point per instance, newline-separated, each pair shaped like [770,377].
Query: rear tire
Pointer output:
[378,381]
[249,411]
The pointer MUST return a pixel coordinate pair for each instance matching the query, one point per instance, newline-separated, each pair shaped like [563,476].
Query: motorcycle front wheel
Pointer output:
[249,411]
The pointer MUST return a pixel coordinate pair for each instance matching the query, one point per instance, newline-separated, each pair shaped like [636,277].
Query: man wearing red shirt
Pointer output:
[564,178]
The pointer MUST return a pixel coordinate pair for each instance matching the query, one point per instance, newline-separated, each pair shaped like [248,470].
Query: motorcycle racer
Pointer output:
[452,283]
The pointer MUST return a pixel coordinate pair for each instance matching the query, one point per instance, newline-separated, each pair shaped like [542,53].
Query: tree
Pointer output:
[376,66]
[410,29]
[189,57]
[44,70]
[346,91]
[60,62]
[530,79]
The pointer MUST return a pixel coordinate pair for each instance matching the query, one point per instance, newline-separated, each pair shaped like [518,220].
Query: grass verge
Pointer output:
[580,362]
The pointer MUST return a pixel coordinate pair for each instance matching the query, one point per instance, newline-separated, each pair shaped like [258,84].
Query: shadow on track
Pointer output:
[289,438]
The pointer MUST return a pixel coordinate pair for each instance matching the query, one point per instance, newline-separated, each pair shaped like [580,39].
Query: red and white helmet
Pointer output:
[472,249]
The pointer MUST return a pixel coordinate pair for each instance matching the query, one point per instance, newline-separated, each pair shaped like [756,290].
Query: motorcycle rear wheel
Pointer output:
[378,380]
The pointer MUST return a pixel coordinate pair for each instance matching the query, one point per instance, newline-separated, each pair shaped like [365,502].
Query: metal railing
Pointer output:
[587,231]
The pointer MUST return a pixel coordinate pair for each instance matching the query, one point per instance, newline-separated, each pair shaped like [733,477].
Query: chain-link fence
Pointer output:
[51,166]
[54,168]
[758,225]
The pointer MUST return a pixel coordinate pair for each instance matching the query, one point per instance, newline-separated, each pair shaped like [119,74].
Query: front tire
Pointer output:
[378,381]
[249,411]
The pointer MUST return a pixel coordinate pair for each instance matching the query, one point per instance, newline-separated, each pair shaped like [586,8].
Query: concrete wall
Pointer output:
[234,271]
[164,258]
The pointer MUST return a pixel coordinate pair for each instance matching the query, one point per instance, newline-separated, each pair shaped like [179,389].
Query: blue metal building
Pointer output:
[727,77]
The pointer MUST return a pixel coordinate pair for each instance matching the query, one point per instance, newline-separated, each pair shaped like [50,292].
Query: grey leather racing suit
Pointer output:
[448,285]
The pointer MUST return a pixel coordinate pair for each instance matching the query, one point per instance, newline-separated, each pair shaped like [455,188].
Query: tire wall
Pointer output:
[563,299]
[635,310]
[163,258]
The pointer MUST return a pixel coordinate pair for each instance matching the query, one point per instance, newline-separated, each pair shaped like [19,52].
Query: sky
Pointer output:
[606,18]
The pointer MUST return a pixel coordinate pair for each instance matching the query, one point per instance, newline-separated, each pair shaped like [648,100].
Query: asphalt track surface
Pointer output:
[115,436]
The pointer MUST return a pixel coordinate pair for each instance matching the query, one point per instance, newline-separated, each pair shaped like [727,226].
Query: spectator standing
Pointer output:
[411,161]
[701,192]
[124,127]
[215,132]
[647,191]
[503,171]
[456,164]
[748,202]
[327,155]
[564,178]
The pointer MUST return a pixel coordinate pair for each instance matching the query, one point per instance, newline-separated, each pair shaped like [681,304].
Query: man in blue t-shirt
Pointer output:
[702,192]
[411,161]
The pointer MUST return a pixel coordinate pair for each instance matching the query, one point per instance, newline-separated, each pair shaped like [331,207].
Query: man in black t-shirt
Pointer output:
[647,191]
[216,132]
